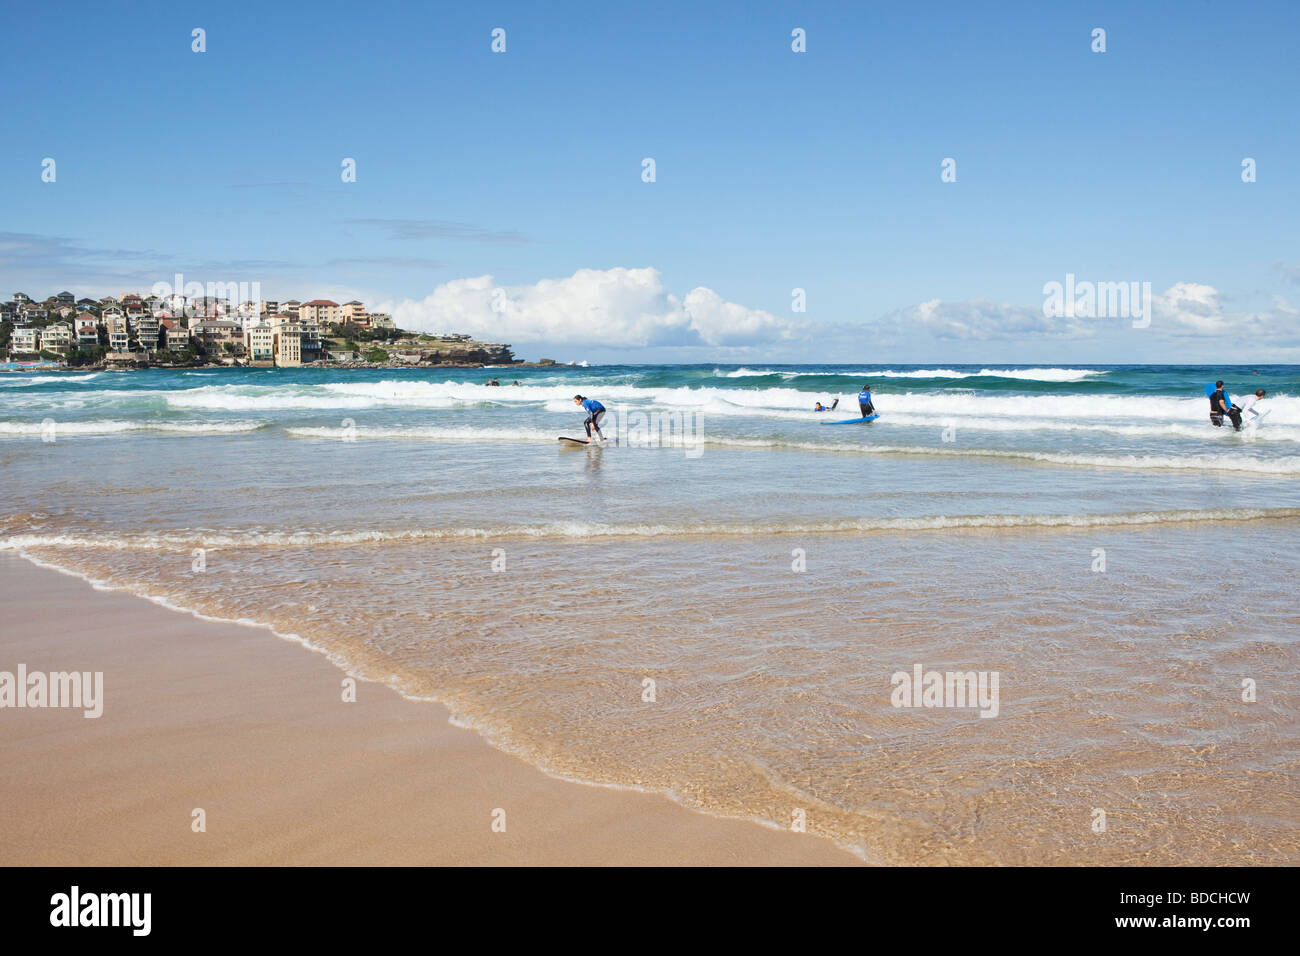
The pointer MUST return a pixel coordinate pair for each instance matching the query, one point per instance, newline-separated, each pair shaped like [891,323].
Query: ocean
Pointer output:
[731,604]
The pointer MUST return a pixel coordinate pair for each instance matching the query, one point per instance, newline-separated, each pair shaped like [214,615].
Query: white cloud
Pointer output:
[1186,310]
[615,308]
[1196,309]
[1192,306]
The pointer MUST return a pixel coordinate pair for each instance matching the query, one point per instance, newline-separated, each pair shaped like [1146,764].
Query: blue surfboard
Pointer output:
[853,421]
[1210,390]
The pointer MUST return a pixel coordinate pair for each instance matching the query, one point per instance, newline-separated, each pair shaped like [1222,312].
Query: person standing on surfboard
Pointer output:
[595,411]
[864,401]
[1219,408]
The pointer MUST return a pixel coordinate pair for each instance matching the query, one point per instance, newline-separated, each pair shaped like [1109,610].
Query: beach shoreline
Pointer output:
[254,732]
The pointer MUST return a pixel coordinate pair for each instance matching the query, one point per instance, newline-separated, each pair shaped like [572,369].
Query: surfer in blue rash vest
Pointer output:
[595,411]
[819,407]
[864,401]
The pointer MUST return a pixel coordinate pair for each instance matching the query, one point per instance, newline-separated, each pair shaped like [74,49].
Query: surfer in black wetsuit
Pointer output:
[1219,407]
[864,401]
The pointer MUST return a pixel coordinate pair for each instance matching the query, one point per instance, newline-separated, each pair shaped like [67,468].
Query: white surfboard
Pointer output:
[1254,421]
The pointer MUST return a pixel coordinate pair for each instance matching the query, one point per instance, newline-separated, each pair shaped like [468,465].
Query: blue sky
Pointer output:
[775,170]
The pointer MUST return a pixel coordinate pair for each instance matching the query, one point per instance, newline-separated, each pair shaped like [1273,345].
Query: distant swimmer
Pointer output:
[819,407]
[1248,410]
[595,411]
[864,401]
[1219,407]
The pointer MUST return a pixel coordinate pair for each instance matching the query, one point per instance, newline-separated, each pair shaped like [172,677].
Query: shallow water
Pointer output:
[1084,533]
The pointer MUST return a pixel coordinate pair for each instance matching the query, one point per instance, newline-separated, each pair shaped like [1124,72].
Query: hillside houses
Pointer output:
[138,329]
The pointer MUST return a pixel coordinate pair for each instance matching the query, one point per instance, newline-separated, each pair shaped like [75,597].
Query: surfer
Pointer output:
[864,401]
[819,407]
[595,411]
[1248,405]
[1219,407]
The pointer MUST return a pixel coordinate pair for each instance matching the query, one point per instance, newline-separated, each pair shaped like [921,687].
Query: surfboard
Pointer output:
[1248,422]
[853,421]
[576,441]
[1227,399]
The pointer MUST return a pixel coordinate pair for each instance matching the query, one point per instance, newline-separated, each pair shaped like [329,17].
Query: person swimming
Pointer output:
[819,407]
[595,411]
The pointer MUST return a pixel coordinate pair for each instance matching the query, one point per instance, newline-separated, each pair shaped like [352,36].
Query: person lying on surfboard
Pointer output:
[595,411]
[819,407]
[864,401]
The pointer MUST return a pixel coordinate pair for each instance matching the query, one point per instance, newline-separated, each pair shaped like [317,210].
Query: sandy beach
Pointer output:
[252,729]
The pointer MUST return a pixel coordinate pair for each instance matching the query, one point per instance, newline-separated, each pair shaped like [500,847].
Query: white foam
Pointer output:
[104,427]
[585,529]
[18,379]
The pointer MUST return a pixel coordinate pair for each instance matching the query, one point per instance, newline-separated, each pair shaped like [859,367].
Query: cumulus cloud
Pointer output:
[617,308]
[1192,306]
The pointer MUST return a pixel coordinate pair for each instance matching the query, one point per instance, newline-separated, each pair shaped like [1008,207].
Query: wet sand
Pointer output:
[253,729]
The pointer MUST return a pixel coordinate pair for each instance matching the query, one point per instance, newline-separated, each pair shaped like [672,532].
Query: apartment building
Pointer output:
[57,337]
[320,311]
[354,313]
[146,328]
[118,339]
[213,334]
[288,346]
[25,341]
[259,343]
